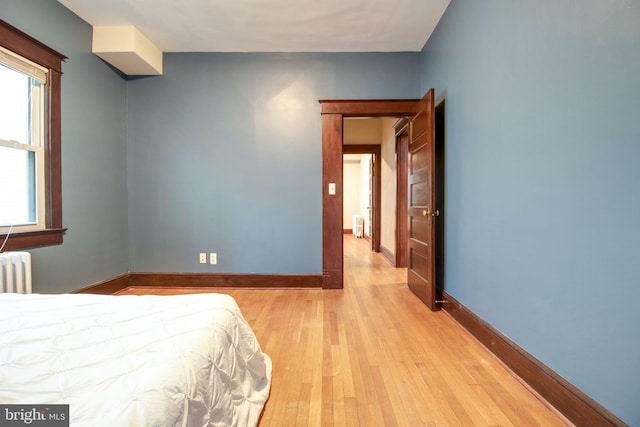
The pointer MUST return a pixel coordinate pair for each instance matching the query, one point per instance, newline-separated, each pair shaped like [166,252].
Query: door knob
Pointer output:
[426,212]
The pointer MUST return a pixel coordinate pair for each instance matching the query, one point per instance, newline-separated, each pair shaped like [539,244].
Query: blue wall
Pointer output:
[542,185]
[225,155]
[93,153]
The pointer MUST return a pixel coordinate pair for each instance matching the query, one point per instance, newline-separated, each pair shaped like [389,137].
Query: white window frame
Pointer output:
[36,143]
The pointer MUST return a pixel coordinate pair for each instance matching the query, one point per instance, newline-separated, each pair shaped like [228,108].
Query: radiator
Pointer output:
[358,226]
[15,272]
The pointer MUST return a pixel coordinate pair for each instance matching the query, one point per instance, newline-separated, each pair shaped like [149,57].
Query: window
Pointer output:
[21,143]
[30,184]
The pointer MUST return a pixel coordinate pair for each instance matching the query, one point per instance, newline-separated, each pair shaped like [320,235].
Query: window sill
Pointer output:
[32,239]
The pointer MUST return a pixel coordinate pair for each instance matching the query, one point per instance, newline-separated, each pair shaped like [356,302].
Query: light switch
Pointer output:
[332,188]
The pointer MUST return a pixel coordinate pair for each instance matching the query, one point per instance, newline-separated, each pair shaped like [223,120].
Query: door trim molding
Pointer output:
[333,111]
[402,187]
[368,107]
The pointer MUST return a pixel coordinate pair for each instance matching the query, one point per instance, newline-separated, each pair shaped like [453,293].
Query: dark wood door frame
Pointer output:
[375,151]
[333,112]
[401,128]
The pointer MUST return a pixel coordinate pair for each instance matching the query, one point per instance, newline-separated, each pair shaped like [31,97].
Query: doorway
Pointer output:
[385,211]
[333,112]
[423,211]
[374,191]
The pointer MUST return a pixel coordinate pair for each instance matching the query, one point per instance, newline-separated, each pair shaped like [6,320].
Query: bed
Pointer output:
[184,360]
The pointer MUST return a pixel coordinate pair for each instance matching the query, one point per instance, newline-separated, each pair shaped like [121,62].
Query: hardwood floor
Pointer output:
[372,354]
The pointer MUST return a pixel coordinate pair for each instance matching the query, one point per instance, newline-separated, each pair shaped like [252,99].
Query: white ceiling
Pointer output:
[271,25]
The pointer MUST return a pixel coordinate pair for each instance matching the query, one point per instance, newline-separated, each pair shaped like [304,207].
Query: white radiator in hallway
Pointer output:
[15,272]
[358,225]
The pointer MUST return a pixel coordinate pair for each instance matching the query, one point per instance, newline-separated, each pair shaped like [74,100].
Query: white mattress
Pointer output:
[186,360]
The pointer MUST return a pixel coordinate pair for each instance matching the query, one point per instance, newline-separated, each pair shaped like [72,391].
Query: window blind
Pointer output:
[23,65]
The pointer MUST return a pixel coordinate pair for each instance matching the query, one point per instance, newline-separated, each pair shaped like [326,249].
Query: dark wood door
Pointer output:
[422,212]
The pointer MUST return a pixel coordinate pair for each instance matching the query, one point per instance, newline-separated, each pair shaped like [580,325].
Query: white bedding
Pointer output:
[185,360]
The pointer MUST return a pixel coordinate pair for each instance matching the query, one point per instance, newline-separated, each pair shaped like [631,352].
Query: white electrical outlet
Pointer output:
[203,258]
[213,258]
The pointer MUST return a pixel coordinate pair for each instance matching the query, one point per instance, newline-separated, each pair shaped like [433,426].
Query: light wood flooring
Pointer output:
[372,354]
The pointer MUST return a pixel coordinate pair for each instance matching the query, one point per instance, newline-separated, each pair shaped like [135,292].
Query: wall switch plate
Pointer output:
[203,258]
[213,258]
[332,188]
